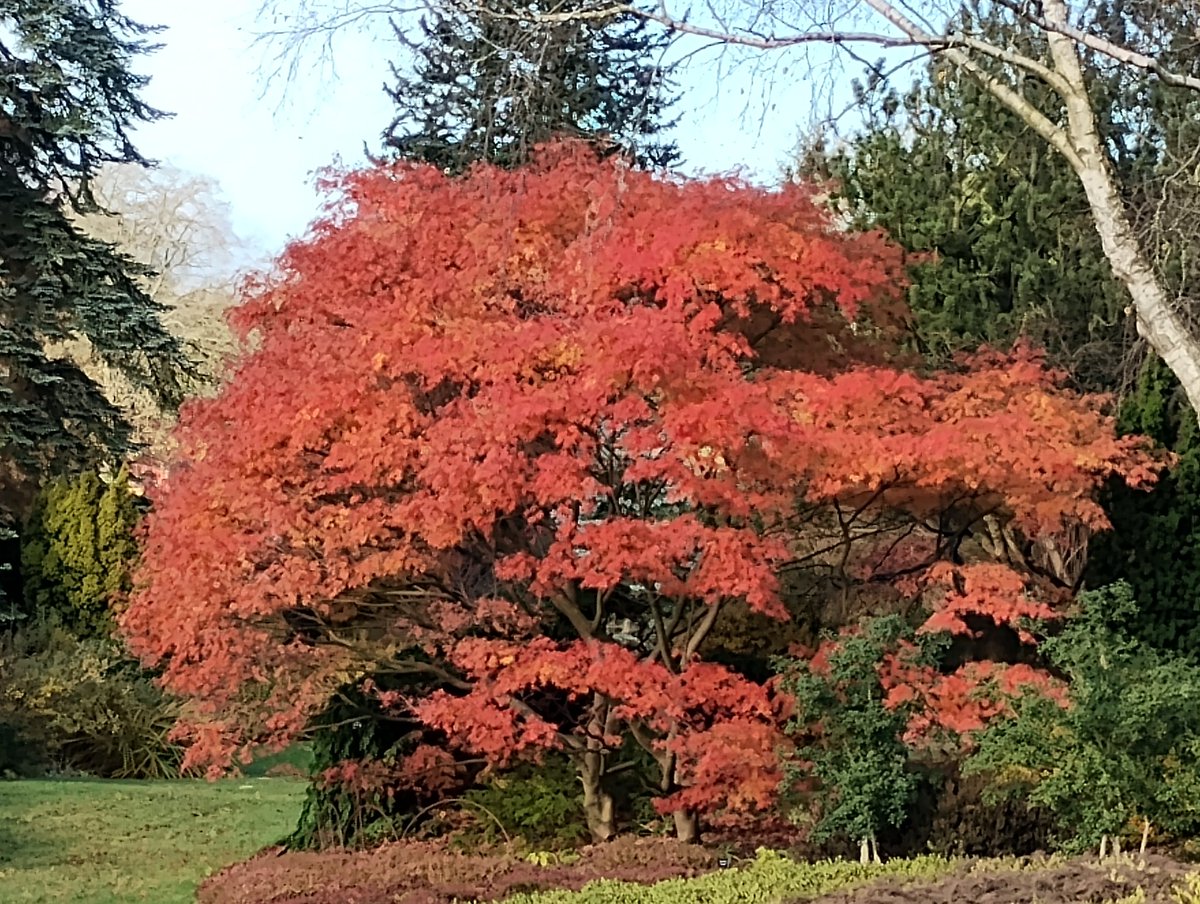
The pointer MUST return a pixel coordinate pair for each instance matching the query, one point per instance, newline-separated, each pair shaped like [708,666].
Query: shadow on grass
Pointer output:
[298,757]
[23,846]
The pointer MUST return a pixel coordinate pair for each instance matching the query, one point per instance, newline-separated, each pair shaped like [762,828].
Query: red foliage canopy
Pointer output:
[514,433]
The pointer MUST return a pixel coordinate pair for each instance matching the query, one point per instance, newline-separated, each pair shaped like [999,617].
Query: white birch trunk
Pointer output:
[1158,321]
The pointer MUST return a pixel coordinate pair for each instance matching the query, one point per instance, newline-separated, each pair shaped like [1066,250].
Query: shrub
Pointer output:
[957,816]
[85,704]
[539,804]
[769,877]
[11,610]
[354,732]
[77,550]
[1126,748]
[848,744]
[433,872]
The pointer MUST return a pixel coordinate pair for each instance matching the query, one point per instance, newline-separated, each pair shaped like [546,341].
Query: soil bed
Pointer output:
[1080,881]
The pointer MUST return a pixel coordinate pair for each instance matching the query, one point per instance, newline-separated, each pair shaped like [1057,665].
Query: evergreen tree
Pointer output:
[1154,545]
[1003,245]
[77,550]
[1003,241]
[68,100]
[1011,250]
[490,87]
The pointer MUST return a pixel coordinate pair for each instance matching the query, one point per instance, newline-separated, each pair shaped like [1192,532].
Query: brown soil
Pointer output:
[1080,881]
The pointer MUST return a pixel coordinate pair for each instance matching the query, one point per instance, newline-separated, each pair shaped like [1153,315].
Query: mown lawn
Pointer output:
[103,842]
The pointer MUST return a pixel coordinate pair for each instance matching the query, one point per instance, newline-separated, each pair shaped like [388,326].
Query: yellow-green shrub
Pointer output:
[769,878]
[77,549]
[85,704]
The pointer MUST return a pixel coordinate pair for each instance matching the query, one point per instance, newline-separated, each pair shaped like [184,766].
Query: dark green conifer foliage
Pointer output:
[1155,542]
[1008,243]
[998,225]
[68,100]
[1012,250]
[490,88]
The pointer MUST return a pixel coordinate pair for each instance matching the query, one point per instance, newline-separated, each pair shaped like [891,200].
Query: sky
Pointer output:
[262,140]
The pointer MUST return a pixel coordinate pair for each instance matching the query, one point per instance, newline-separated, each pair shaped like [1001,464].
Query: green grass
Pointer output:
[104,842]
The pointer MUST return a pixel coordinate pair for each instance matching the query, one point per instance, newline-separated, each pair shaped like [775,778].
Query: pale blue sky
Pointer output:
[262,153]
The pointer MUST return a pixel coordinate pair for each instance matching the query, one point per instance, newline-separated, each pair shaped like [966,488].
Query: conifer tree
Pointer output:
[77,550]
[999,227]
[68,101]
[486,87]
[946,171]
[1003,240]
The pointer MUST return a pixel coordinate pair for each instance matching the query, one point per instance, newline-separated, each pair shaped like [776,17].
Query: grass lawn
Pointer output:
[103,842]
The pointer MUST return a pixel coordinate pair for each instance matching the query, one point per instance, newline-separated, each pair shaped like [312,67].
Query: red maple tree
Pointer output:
[524,434]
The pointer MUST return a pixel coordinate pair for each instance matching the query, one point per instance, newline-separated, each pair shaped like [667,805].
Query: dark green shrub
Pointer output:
[849,758]
[11,610]
[85,705]
[540,804]
[77,549]
[1124,752]
[338,814]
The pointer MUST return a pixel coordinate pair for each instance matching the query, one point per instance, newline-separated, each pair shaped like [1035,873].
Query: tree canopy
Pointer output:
[492,86]
[70,100]
[526,433]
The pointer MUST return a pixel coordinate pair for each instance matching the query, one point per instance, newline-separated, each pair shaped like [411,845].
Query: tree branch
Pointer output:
[1121,54]
[1028,113]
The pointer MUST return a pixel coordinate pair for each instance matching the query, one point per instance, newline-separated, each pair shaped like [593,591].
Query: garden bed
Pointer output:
[660,871]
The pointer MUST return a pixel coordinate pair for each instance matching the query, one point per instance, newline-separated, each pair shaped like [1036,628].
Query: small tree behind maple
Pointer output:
[518,434]
[848,741]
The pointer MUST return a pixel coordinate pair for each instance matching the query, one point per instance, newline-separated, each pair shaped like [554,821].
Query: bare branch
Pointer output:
[1121,54]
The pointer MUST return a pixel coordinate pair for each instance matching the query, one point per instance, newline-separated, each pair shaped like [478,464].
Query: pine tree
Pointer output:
[68,101]
[998,226]
[1010,249]
[489,87]
[1006,242]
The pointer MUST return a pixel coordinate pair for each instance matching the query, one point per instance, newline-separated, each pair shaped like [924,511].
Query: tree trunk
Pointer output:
[597,802]
[1158,322]
[687,822]
[687,826]
[864,850]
